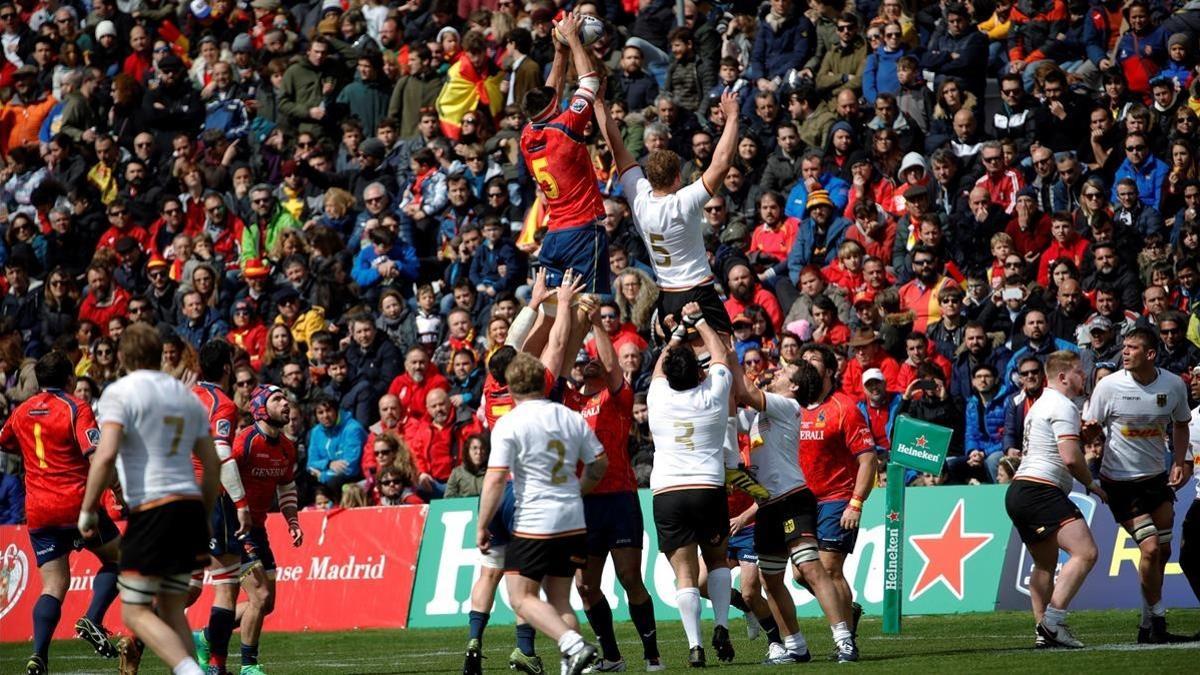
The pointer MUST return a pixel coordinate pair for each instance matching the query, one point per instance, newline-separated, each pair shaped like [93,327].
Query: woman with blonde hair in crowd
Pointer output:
[635,296]
[289,243]
[281,348]
[338,212]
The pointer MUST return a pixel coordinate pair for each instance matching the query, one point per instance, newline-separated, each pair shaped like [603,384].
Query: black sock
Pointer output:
[739,603]
[643,620]
[249,654]
[771,629]
[46,613]
[104,592]
[525,635]
[476,622]
[220,629]
[601,619]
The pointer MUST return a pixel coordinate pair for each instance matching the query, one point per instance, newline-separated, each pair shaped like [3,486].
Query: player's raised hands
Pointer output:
[568,28]
[729,105]
[571,285]
[540,292]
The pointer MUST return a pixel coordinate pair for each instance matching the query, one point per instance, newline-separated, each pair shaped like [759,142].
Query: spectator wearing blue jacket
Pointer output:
[386,262]
[496,267]
[785,39]
[200,323]
[985,417]
[811,164]
[1142,42]
[335,445]
[818,237]
[12,500]
[1148,172]
[1033,381]
[958,50]
[880,72]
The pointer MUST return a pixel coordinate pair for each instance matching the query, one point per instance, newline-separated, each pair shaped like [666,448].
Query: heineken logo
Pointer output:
[922,441]
[945,554]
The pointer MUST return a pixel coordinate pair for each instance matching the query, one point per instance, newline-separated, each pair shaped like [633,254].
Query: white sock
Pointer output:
[795,643]
[564,663]
[570,642]
[720,588]
[1157,609]
[187,666]
[841,631]
[1053,616]
[688,600]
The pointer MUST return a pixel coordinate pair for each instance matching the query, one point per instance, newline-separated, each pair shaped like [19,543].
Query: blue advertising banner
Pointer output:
[1113,583]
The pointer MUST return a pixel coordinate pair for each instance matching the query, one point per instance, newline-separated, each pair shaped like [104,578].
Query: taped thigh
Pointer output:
[772,564]
[805,552]
[1165,537]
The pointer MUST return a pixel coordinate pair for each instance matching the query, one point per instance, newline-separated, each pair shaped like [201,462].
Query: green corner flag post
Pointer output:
[920,446]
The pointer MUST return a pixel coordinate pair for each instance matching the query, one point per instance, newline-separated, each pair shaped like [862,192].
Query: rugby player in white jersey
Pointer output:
[786,524]
[540,442]
[150,427]
[670,216]
[1189,545]
[1137,408]
[1037,502]
[692,464]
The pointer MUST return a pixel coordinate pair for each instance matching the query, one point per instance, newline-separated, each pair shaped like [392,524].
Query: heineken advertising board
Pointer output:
[955,541]
[920,445]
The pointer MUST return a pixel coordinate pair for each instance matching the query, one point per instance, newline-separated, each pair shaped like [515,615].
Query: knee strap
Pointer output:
[138,590]
[228,575]
[804,553]
[1143,528]
[1164,537]
[772,564]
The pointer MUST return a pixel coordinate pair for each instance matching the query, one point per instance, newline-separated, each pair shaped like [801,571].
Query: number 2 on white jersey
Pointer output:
[556,474]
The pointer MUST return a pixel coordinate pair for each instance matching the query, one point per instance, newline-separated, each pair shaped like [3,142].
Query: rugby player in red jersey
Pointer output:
[611,510]
[497,402]
[231,515]
[55,434]
[266,460]
[837,455]
[556,154]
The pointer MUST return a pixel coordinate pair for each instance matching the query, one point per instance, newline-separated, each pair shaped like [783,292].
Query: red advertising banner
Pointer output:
[350,558]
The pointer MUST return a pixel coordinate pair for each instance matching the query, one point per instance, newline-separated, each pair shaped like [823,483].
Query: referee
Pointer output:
[1137,408]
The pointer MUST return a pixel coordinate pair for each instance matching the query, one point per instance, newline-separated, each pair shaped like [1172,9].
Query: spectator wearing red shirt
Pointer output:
[828,329]
[140,61]
[121,225]
[874,229]
[920,296]
[105,300]
[1029,227]
[1001,182]
[1066,245]
[920,350]
[391,421]
[847,270]
[619,333]
[868,353]
[412,386]
[436,443]
[775,234]
[744,291]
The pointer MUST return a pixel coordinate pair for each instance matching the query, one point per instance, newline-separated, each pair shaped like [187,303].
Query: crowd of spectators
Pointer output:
[943,192]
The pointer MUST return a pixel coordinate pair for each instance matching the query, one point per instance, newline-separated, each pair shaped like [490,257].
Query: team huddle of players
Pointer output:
[801,473]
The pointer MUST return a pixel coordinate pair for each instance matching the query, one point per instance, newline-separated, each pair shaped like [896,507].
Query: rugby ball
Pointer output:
[590,30]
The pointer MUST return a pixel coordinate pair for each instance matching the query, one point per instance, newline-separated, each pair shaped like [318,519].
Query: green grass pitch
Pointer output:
[934,645]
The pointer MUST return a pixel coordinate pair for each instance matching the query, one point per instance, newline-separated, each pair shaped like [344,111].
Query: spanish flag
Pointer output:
[465,90]
[537,218]
[178,41]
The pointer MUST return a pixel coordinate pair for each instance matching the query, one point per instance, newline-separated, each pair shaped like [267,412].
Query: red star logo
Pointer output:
[922,441]
[893,516]
[946,553]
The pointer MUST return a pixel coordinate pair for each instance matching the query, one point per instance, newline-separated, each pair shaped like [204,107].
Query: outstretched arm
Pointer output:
[722,159]
[555,351]
[717,351]
[608,355]
[558,69]
[612,136]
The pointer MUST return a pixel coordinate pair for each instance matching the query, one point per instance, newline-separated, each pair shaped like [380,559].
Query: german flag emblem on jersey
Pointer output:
[1161,399]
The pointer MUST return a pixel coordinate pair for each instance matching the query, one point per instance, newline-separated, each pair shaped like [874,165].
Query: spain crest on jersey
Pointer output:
[820,423]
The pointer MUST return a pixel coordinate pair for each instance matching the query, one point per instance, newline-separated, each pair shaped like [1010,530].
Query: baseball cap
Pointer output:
[1100,323]
[742,318]
[872,374]
[373,147]
[156,262]
[285,294]
[242,44]
[864,298]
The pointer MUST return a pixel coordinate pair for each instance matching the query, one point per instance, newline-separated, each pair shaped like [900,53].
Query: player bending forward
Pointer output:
[150,427]
[556,153]
[55,433]
[540,443]
[1137,407]
[1037,502]
[692,464]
